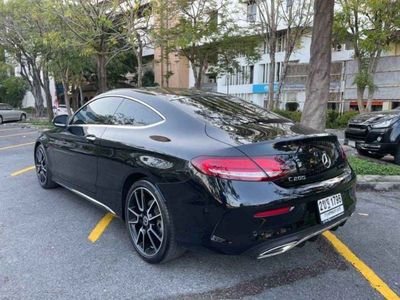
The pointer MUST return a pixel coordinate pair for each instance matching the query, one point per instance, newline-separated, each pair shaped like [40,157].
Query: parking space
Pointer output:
[46,252]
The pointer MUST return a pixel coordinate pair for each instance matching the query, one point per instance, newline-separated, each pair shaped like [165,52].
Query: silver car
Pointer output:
[8,113]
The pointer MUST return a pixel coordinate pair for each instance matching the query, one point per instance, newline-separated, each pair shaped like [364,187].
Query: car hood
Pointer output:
[375,117]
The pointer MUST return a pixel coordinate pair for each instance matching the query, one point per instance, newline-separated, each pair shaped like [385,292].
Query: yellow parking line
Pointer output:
[16,146]
[19,172]
[18,134]
[366,271]
[100,227]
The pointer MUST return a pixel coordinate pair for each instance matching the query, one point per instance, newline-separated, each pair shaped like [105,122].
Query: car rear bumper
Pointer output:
[223,218]
[287,243]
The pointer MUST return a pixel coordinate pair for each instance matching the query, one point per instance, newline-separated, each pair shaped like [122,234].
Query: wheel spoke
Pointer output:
[154,217]
[150,206]
[138,236]
[151,241]
[138,201]
[155,234]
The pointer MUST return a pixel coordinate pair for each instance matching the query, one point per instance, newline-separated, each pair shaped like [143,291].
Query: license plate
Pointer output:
[351,143]
[330,207]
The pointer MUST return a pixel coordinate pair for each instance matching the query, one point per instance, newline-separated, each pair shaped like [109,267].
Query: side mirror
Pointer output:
[60,121]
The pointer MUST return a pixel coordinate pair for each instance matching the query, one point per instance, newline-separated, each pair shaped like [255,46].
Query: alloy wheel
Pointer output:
[41,165]
[145,222]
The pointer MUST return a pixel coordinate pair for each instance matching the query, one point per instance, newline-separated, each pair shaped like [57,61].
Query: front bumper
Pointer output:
[369,139]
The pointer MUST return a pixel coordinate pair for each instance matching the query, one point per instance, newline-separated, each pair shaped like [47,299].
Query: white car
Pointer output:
[61,110]
[9,113]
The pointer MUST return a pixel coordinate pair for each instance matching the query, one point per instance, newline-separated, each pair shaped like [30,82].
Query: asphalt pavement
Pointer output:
[45,252]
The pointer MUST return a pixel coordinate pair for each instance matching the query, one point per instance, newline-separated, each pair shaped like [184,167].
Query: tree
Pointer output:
[295,18]
[20,37]
[318,81]
[370,26]
[94,23]
[13,90]
[135,29]
[200,31]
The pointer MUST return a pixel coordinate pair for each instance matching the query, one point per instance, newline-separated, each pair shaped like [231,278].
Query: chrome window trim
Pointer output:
[119,126]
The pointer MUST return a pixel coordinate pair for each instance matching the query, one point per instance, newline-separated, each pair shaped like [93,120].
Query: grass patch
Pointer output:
[365,167]
[40,123]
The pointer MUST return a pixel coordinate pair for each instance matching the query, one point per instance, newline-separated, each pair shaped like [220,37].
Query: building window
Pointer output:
[251,11]
[251,75]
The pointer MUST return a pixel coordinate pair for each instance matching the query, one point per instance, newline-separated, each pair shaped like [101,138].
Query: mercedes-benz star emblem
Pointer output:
[326,160]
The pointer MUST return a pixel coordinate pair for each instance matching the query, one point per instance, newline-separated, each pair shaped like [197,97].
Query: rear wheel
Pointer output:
[370,154]
[43,171]
[1,120]
[149,224]
[22,118]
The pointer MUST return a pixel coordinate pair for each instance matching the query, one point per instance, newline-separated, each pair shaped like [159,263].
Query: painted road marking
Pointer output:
[100,227]
[8,129]
[18,134]
[373,279]
[16,146]
[16,173]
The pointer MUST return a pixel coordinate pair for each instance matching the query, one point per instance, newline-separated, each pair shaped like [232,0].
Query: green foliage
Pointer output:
[333,118]
[295,116]
[366,167]
[12,90]
[148,79]
[292,106]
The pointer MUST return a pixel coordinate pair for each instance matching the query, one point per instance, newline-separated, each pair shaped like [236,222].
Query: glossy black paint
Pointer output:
[102,162]
[376,140]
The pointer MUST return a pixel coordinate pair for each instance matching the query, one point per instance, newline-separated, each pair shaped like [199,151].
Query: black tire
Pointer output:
[370,154]
[146,221]
[22,118]
[43,171]
[397,155]
[1,120]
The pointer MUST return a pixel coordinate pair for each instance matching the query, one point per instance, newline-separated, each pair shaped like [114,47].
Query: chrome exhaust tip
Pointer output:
[277,250]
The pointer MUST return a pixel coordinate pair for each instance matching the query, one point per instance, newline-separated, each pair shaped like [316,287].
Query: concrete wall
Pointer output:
[387,79]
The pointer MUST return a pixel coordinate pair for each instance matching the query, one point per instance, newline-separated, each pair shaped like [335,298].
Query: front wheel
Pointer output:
[149,224]
[43,171]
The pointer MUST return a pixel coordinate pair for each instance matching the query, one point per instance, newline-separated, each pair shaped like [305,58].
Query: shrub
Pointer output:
[333,118]
[295,116]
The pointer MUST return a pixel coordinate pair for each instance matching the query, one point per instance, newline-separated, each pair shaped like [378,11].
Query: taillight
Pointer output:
[240,168]
[342,153]
[274,212]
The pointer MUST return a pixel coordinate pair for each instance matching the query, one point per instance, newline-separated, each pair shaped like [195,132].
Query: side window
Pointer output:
[100,111]
[134,113]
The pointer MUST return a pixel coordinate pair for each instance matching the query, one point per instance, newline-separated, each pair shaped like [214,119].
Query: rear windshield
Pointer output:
[226,110]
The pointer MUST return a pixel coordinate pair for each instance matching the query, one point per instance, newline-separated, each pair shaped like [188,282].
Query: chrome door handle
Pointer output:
[91,138]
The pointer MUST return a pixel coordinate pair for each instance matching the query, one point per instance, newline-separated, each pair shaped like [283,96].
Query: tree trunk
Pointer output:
[371,72]
[139,58]
[49,98]
[37,93]
[360,98]
[271,76]
[66,99]
[318,81]
[101,73]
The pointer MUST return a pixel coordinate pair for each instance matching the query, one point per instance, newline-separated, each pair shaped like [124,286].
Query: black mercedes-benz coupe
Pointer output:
[187,168]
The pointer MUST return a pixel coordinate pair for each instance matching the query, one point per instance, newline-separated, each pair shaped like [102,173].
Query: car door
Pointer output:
[6,112]
[74,150]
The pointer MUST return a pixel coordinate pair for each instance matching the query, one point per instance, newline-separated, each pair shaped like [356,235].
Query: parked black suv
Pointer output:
[375,134]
